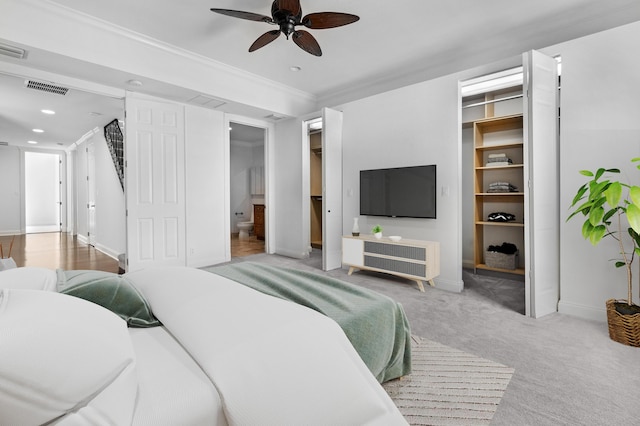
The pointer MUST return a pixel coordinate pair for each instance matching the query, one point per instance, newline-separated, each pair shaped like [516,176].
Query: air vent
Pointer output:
[207,101]
[46,87]
[4,143]
[12,51]
[274,117]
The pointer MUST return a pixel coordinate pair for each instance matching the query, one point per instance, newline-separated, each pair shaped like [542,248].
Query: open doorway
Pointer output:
[247,189]
[42,192]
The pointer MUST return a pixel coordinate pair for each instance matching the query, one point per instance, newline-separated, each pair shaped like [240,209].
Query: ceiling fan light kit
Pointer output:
[287,15]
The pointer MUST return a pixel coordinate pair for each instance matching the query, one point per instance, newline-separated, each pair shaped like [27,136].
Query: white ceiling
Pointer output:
[393,44]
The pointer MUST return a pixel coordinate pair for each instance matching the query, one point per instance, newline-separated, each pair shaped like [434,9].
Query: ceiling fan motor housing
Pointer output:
[285,19]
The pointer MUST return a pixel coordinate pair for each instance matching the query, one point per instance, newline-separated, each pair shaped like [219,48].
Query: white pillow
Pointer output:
[63,359]
[29,277]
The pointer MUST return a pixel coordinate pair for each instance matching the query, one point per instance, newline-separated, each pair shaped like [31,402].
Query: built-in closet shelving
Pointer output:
[315,170]
[498,135]
[496,121]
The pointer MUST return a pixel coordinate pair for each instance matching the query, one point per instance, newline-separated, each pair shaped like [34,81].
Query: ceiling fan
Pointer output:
[287,14]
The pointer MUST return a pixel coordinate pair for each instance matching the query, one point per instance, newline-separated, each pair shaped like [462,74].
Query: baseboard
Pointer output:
[9,233]
[468,264]
[106,250]
[293,254]
[583,311]
[82,238]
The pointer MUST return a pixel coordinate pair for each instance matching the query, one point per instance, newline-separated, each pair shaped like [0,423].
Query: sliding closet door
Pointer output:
[155,184]
[542,208]
[331,189]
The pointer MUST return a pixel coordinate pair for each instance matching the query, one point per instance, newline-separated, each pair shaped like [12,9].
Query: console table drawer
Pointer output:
[393,265]
[395,250]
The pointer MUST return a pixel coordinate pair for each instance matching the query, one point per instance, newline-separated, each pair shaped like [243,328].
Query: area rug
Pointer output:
[448,386]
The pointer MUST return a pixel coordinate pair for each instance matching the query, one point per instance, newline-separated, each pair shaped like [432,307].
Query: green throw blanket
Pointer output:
[375,324]
[111,291]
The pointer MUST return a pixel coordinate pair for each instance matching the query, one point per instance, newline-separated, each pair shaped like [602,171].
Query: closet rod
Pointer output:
[492,101]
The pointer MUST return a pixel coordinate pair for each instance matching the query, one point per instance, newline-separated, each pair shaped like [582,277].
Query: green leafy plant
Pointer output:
[605,202]
[376,229]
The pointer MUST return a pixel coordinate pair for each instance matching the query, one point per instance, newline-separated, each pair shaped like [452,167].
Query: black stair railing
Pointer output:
[115,142]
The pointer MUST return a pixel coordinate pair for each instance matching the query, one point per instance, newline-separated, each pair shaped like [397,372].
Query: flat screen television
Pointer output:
[399,192]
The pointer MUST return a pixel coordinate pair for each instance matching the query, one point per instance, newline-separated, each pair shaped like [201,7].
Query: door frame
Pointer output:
[62,207]
[269,202]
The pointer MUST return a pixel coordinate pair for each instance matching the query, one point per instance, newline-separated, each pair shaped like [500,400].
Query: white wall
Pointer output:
[241,154]
[80,202]
[110,232]
[206,168]
[600,127]
[111,222]
[11,210]
[415,125]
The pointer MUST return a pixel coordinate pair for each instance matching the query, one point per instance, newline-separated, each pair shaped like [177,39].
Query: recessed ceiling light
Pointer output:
[47,111]
[295,68]
[32,142]
[59,143]
[95,114]
[134,82]
[38,130]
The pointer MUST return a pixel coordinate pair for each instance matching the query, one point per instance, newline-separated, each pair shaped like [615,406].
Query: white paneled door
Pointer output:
[154,150]
[542,208]
[331,189]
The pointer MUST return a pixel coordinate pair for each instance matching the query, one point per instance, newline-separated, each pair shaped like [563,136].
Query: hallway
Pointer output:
[59,250]
[56,250]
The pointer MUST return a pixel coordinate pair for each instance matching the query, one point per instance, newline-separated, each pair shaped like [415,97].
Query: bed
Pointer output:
[220,354]
[375,324]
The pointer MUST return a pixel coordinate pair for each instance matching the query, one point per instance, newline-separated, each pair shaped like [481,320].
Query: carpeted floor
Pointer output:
[567,370]
[448,386]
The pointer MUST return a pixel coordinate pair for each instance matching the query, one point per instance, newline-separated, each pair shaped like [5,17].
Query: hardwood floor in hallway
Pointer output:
[59,250]
[56,250]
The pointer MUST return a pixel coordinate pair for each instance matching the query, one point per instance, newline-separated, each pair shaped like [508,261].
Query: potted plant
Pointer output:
[606,203]
[377,231]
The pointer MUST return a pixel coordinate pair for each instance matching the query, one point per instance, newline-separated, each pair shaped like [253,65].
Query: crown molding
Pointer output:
[288,98]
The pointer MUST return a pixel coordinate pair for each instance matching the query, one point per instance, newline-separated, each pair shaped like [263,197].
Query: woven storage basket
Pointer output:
[623,329]
[500,260]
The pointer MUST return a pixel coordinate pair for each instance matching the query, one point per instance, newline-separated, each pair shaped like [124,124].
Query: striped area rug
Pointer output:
[449,386]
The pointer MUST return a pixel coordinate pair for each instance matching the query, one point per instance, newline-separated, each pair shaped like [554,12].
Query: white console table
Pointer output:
[413,259]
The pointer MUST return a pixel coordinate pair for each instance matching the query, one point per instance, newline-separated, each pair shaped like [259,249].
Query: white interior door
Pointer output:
[542,274]
[42,192]
[331,189]
[91,193]
[155,177]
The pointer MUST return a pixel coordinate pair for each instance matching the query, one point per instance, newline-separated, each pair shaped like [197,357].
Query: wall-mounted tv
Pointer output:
[399,192]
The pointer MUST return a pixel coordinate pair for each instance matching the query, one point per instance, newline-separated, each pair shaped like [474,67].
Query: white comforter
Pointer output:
[259,360]
[272,361]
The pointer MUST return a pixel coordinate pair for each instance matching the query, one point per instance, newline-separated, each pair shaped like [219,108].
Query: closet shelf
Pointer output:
[512,166]
[500,146]
[508,224]
[518,271]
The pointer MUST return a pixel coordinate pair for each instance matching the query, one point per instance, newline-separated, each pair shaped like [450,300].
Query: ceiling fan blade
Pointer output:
[292,6]
[322,20]
[244,15]
[306,42]
[264,39]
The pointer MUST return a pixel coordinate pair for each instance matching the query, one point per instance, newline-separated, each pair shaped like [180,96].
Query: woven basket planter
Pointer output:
[623,329]
[494,259]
